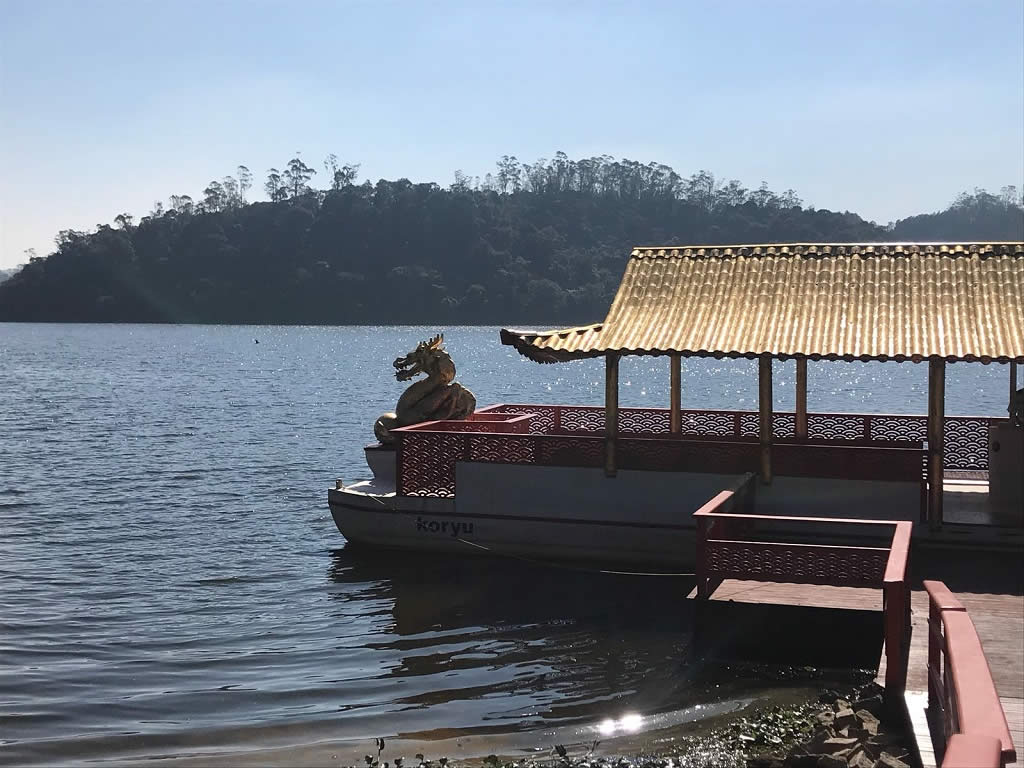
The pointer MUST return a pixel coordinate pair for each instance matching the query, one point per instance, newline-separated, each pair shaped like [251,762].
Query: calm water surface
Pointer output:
[171,581]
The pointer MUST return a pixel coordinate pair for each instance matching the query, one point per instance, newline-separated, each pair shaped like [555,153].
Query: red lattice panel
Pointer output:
[544,422]
[711,423]
[966,443]
[847,462]
[570,451]
[796,563]
[897,428]
[503,449]
[427,463]
[687,455]
[579,418]
[836,426]
[644,421]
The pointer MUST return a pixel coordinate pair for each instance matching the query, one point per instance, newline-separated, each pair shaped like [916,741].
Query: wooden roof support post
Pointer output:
[764,381]
[675,417]
[1013,383]
[936,427]
[611,412]
[801,398]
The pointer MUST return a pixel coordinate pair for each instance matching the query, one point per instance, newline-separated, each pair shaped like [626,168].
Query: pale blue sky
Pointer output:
[883,108]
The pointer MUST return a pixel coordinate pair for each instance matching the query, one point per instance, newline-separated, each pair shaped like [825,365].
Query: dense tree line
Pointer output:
[540,242]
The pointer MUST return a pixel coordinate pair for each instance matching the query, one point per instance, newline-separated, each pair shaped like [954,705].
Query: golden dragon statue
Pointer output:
[434,398]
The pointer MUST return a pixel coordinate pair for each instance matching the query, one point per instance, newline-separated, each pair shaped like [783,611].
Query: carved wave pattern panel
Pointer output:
[709,423]
[966,446]
[428,464]
[749,560]
[966,443]
[543,421]
[646,421]
[899,428]
[750,425]
[583,419]
[784,424]
[501,450]
[835,426]
[682,455]
[570,452]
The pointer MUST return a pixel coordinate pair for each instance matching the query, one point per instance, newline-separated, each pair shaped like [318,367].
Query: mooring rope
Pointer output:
[568,567]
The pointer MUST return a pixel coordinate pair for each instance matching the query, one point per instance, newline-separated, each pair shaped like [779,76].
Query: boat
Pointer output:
[621,485]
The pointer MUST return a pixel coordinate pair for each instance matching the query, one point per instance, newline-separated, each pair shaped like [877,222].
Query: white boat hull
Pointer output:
[406,523]
[545,513]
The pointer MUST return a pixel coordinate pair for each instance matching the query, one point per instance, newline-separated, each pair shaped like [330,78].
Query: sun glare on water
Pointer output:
[626,724]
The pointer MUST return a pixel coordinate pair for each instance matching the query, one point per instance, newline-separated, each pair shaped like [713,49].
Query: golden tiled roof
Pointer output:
[893,301]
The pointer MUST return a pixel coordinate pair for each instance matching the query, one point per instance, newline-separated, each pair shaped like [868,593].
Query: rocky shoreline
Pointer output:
[848,732]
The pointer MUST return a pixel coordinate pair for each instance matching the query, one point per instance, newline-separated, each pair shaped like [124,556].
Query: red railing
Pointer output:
[961,693]
[428,454]
[740,546]
[966,443]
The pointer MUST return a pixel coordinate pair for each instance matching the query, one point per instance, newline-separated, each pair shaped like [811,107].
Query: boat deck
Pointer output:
[990,586]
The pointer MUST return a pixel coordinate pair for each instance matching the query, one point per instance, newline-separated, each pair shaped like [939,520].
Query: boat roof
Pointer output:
[822,301]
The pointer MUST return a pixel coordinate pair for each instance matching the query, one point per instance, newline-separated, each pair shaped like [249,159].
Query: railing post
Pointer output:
[611,412]
[1013,381]
[801,398]
[764,380]
[702,566]
[936,436]
[934,655]
[895,599]
[675,419]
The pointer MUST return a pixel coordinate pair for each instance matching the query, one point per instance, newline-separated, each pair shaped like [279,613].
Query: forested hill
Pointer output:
[545,242]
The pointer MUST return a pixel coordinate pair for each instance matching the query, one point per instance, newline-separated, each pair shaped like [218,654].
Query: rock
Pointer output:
[860,734]
[870,689]
[840,704]
[868,721]
[883,739]
[888,761]
[872,704]
[827,697]
[830,761]
[836,744]
[801,760]
[881,743]
[819,738]
[765,761]
[860,760]
[825,719]
[844,718]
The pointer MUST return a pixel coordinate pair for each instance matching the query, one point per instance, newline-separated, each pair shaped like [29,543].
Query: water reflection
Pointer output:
[531,644]
[525,646]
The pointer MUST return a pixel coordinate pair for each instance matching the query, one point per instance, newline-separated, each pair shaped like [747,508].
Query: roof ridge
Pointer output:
[829,243]
[981,247]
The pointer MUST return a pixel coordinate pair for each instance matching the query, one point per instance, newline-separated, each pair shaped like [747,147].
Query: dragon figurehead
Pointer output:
[437,397]
[429,357]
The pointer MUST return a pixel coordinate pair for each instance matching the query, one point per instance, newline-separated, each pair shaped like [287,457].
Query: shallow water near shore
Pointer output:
[172,585]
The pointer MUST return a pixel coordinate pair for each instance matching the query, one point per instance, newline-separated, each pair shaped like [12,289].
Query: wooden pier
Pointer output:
[991,588]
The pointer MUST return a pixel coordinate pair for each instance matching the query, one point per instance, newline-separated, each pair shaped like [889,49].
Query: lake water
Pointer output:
[171,582]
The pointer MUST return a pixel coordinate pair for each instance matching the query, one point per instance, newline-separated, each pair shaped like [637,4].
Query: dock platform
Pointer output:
[991,587]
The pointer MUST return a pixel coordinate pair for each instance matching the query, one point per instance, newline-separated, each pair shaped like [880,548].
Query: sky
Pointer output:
[883,108]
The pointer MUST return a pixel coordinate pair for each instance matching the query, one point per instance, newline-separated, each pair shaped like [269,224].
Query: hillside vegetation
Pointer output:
[542,242]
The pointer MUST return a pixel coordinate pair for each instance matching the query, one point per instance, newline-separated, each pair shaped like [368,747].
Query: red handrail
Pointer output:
[960,686]
[892,577]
